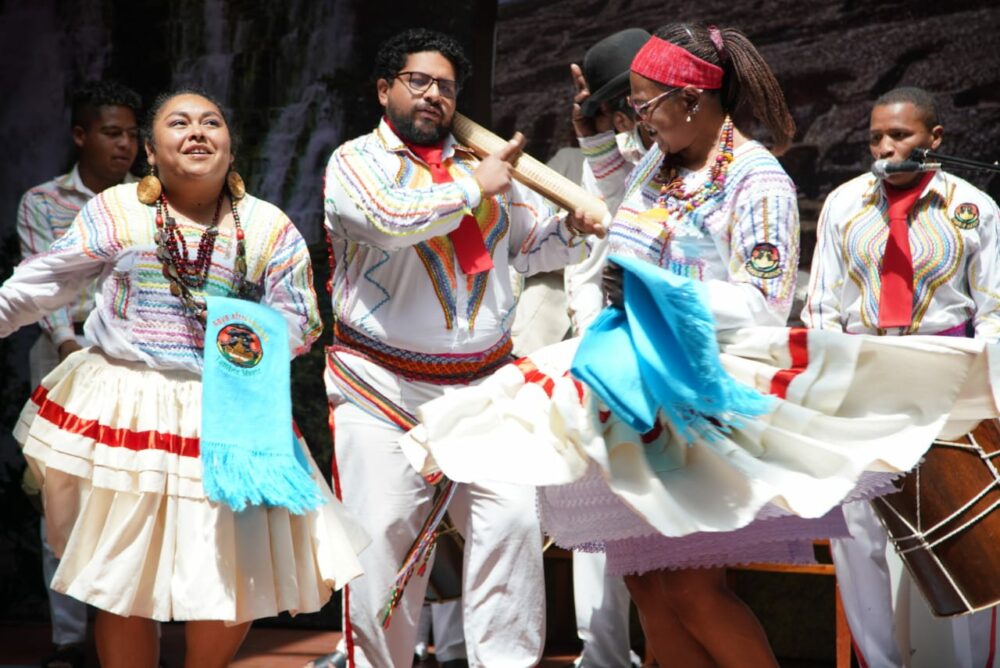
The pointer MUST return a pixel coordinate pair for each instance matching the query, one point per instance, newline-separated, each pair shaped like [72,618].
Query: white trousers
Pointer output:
[602,610]
[866,589]
[503,602]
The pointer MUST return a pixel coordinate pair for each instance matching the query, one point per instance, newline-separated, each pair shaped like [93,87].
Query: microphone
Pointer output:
[884,168]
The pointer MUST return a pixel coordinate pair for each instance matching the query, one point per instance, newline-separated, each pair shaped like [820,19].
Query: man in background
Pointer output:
[105,132]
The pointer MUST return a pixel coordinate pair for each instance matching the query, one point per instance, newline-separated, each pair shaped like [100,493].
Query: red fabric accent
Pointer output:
[895,304]
[470,249]
[798,348]
[334,471]
[671,65]
[111,436]
[653,433]
[857,652]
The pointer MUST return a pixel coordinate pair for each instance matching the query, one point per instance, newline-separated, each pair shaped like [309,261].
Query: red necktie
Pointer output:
[470,249]
[895,304]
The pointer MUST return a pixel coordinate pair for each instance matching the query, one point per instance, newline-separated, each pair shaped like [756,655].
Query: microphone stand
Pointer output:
[924,154]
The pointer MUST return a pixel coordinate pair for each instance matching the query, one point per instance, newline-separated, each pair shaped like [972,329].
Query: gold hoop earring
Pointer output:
[149,188]
[237,189]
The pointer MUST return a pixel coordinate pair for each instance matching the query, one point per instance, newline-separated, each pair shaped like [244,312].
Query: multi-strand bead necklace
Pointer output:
[185,274]
[676,202]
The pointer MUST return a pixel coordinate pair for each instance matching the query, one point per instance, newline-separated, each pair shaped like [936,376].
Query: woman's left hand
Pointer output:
[612,283]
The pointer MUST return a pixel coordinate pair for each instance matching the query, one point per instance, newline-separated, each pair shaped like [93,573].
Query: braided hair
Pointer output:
[748,84]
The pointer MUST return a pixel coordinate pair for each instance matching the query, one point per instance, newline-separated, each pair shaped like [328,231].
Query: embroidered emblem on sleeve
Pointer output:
[966,216]
[765,261]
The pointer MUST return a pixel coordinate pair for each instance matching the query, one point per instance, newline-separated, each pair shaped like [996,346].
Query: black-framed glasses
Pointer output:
[646,108]
[419,82]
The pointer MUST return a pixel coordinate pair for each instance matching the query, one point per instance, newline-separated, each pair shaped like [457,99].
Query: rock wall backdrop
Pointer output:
[295,74]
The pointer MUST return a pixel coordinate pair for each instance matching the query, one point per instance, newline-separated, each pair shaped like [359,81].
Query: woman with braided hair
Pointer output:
[710,203]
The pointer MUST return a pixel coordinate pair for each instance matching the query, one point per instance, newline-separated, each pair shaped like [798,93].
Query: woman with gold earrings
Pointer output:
[138,502]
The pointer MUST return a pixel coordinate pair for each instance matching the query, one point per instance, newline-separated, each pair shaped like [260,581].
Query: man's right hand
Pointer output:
[587,126]
[496,171]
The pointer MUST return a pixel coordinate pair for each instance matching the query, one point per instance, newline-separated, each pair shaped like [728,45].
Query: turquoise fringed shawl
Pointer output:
[660,354]
[249,452]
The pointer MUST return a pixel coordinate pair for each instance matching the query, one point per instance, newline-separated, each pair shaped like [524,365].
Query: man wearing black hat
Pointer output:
[612,142]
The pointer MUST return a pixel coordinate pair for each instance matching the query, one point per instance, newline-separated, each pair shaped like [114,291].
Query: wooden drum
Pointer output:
[943,522]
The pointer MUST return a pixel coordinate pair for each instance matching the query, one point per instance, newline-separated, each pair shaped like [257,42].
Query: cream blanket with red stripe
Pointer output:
[847,406]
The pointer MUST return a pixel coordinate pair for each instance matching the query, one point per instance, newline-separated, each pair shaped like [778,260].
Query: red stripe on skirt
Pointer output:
[114,437]
[798,347]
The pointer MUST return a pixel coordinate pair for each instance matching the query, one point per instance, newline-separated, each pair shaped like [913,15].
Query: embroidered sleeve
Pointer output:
[51,280]
[823,309]
[366,203]
[288,286]
[984,273]
[540,239]
[605,169]
[36,235]
[763,254]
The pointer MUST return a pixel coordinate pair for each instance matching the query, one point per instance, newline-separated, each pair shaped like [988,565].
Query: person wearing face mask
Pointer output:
[156,512]
[105,133]
[423,238]
[913,253]
[710,203]
[612,142]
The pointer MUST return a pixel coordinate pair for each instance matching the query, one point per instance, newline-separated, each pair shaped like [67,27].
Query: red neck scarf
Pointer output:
[895,305]
[467,239]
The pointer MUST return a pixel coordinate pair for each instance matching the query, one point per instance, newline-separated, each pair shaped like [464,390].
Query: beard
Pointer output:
[425,134]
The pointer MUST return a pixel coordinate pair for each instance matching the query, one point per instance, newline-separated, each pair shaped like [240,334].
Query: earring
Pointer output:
[694,110]
[237,189]
[150,188]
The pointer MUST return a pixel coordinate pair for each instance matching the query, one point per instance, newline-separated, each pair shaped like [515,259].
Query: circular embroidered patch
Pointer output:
[765,261]
[240,345]
[966,216]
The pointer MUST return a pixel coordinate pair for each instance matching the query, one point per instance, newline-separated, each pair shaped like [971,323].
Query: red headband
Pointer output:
[672,65]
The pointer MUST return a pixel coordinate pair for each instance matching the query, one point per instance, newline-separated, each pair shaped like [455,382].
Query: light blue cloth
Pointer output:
[660,353]
[249,451]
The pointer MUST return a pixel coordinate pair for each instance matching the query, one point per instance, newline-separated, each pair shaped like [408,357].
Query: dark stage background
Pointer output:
[296,77]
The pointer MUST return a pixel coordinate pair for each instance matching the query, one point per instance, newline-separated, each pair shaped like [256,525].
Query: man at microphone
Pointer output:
[423,237]
[903,250]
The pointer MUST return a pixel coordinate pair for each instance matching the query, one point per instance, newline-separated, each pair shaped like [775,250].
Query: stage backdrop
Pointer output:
[295,75]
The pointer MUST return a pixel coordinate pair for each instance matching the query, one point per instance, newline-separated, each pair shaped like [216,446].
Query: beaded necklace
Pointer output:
[185,274]
[676,202]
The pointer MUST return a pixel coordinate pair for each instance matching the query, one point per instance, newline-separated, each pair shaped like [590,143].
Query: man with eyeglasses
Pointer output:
[423,237]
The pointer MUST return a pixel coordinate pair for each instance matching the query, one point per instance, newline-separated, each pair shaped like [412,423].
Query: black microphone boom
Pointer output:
[923,154]
[884,168]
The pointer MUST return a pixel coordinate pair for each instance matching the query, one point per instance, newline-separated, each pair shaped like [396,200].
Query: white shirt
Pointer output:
[953,242]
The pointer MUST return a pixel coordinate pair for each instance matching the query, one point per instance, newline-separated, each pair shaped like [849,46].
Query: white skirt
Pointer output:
[852,413]
[116,445]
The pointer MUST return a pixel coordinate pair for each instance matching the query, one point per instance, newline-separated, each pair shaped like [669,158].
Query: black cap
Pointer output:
[606,66]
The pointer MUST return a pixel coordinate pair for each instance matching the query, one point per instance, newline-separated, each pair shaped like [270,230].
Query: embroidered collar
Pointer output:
[72,182]
[875,191]
[392,143]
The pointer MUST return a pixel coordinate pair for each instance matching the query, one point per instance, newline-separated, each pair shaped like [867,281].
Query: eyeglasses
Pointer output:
[644,109]
[419,82]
